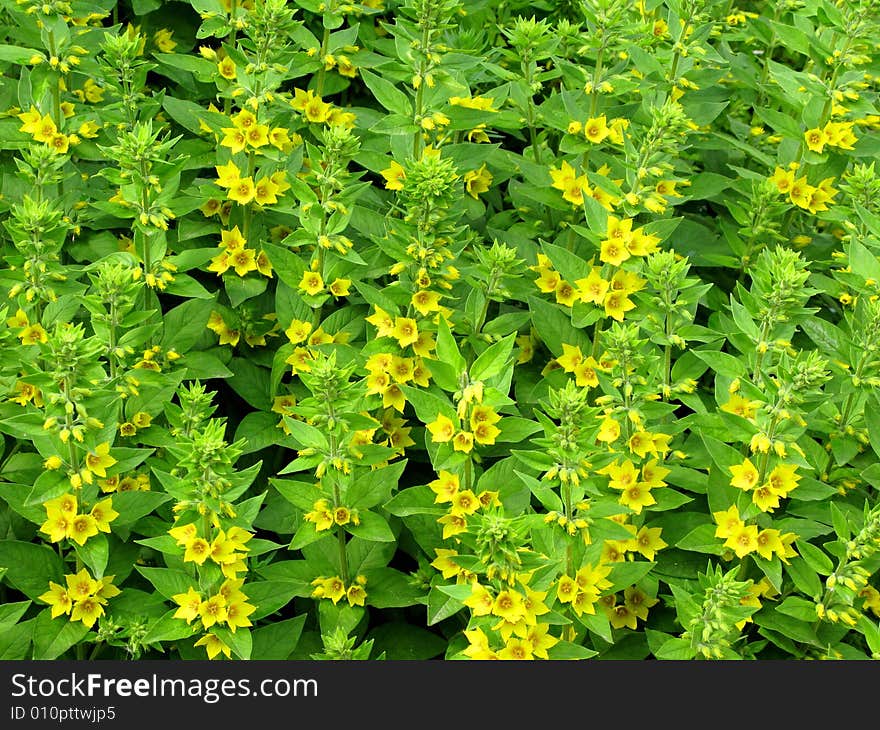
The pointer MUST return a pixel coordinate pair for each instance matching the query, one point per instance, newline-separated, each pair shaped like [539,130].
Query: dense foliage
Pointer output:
[449,329]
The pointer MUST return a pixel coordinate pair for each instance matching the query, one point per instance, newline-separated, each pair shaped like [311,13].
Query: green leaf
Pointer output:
[167,581]
[375,486]
[278,640]
[251,382]
[389,588]
[300,494]
[815,558]
[441,606]
[94,552]
[805,579]
[260,430]
[799,608]
[413,501]
[185,324]
[387,94]
[273,595]
[15,54]
[405,641]
[133,505]
[304,436]
[675,649]
[872,421]
[722,363]
[627,573]
[554,327]
[168,628]
[10,613]
[53,637]
[702,540]
[789,626]
[494,359]
[567,650]
[15,642]
[447,347]
[372,526]
[723,455]
[30,567]
[240,641]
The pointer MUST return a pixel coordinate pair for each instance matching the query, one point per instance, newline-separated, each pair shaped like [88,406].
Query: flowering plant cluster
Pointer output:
[430,329]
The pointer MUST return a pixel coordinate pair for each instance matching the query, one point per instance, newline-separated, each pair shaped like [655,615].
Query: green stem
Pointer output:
[420,92]
[759,356]
[340,532]
[56,90]
[322,71]
[526,67]
[112,344]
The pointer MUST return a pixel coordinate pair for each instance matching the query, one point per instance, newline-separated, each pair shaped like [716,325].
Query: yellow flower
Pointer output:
[745,475]
[575,190]
[783,479]
[197,551]
[596,129]
[234,138]
[266,191]
[563,176]
[783,179]
[743,540]
[405,331]
[237,612]
[189,604]
[382,321]
[32,334]
[636,497]
[311,283]
[227,68]
[316,110]
[452,525]
[298,331]
[485,432]
[99,460]
[740,406]
[162,39]
[242,190]
[214,646]
[257,136]
[82,527]
[442,429]
[481,103]
[593,288]
[340,287]
[45,130]
[617,304]
[393,397]
[57,525]
[58,598]
[60,143]
[609,430]
[228,174]
[87,610]
[394,176]
[477,181]
[565,293]
[463,441]
[212,611]
[801,192]
[816,139]
[103,514]
[243,260]
[647,542]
